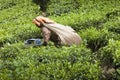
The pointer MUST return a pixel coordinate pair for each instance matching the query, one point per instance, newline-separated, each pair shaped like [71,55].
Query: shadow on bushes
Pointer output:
[113,14]
[42,3]
[95,45]
[94,38]
[109,61]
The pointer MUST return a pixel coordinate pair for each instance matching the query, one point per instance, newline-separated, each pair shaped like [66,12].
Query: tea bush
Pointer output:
[95,39]
[58,7]
[96,21]
[110,56]
[16,22]
[75,62]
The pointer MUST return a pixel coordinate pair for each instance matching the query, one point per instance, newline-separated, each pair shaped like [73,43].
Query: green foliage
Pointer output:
[15,25]
[95,39]
[96,21]
[75,62]
[110,55]
[111,49]
[58,7]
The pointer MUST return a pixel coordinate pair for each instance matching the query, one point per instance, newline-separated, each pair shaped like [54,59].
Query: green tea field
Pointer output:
[96,58]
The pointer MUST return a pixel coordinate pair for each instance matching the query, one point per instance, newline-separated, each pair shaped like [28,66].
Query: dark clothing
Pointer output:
[49,35]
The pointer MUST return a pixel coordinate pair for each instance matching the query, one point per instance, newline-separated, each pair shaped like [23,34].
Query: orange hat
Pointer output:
[36,22]
[44,19]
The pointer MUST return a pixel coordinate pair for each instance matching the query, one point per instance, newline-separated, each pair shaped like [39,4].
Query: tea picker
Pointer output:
[57,33]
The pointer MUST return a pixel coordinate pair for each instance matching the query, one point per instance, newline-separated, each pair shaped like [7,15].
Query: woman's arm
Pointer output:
[46,33]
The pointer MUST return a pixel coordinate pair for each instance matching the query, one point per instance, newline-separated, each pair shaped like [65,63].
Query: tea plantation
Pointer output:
[96,58]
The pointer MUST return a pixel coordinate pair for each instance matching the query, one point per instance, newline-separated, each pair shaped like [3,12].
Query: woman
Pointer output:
[59,34]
